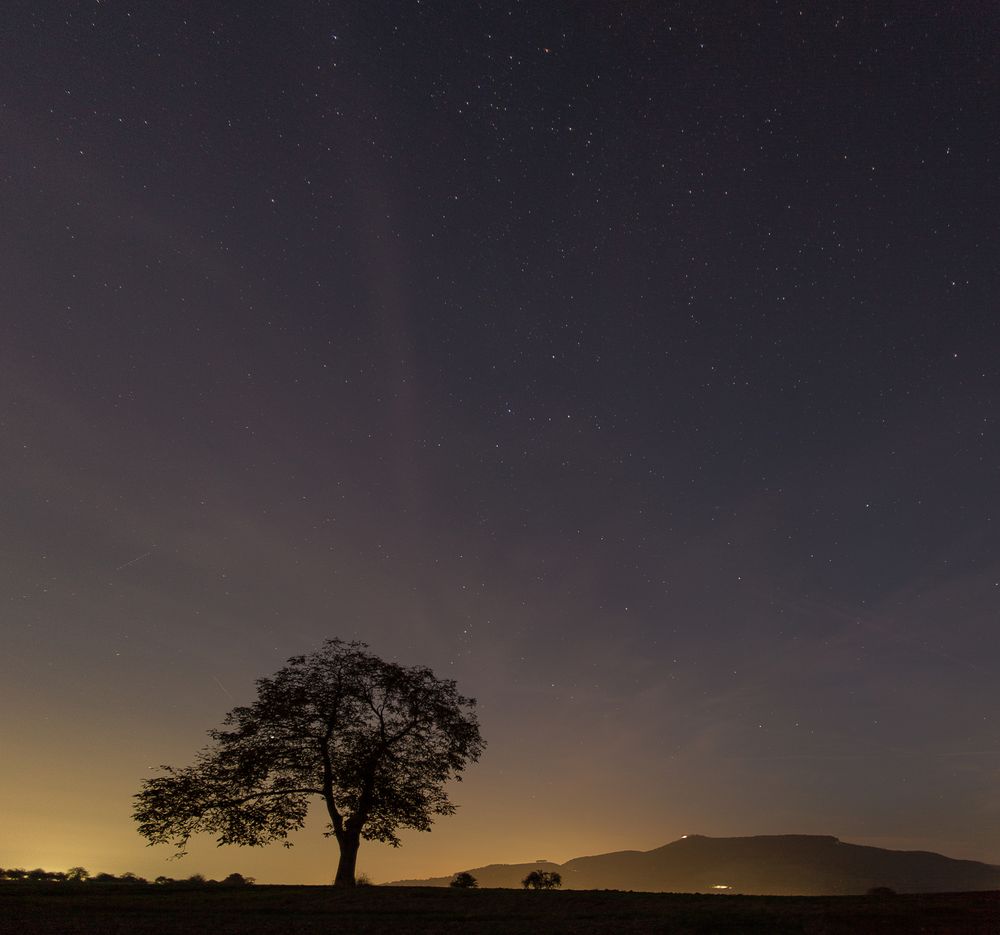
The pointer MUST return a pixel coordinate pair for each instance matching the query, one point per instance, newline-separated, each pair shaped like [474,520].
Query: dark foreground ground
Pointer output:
[107,909]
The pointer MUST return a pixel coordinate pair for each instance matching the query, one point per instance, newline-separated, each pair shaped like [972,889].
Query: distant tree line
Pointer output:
[83,875]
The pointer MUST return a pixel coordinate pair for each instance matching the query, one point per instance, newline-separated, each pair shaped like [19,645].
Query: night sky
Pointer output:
[633,363]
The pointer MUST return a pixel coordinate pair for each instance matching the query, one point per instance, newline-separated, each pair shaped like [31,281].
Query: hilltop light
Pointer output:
[721,886]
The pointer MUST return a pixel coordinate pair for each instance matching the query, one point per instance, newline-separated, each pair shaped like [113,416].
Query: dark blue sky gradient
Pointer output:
[633,364]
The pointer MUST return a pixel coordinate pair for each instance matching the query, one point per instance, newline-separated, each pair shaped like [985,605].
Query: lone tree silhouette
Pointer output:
[376,741]
[464,881]
[542,880]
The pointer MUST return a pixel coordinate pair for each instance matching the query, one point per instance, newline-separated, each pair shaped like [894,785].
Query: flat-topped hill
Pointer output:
[786,864]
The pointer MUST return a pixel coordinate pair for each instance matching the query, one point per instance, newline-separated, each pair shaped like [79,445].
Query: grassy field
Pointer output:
[109,909]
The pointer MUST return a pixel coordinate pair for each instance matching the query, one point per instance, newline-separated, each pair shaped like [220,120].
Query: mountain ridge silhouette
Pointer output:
[779,865]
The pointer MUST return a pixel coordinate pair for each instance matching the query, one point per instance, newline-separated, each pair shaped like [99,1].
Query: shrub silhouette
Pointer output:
[77,874]
[881,891]
[542,880]
[464,881]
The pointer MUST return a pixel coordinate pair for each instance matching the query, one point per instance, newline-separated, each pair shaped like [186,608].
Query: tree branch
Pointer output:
[336,819]
[267,792]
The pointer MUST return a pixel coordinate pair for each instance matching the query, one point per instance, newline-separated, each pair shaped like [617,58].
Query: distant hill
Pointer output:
[787,864]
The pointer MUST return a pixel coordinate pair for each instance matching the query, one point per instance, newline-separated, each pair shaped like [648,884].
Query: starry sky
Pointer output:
[633,363]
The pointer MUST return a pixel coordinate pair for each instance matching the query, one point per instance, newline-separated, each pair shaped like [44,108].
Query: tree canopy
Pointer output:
[542,880]
[375,741]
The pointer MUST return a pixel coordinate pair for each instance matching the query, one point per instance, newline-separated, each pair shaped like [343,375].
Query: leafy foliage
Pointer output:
[464,881]
[542,880]
[376,741]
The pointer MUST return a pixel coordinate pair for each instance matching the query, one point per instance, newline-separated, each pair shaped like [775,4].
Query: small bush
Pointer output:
[464,881]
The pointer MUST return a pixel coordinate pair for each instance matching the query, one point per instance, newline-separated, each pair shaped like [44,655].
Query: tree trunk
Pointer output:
[349,842]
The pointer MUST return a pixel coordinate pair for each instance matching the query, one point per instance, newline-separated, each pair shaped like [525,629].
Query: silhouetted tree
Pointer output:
[104,878]
[464,881]
[376,741]
[542,880]
[237,879]
[77,874]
